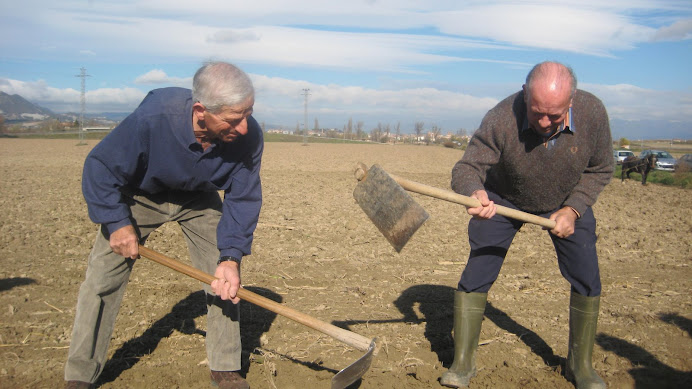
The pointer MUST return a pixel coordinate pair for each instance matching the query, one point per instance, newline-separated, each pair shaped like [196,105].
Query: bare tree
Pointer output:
[317,126]
[359,130]
[436,133]
[397,130]
[418,128]
[348,131]
[376,133]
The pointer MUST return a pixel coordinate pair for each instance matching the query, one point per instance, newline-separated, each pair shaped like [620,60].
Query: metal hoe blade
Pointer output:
[389,207]
[345,377]
[354,371]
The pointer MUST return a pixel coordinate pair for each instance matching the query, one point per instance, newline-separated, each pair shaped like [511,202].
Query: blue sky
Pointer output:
[443,63]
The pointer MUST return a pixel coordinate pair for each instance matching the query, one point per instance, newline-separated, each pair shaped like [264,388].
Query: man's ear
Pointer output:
[526,94]
[198,110]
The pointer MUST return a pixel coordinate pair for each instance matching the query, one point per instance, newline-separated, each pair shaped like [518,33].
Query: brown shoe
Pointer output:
[78,385]
[228,380]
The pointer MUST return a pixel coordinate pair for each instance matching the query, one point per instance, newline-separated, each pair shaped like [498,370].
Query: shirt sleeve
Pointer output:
[241,204]
[111,164]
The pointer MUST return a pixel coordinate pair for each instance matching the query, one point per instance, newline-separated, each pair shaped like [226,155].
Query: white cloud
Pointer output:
[158,76]
[680,30]
[557,27]
[379,35]
[279,101]
[334,104]
[69,100]
[630,102]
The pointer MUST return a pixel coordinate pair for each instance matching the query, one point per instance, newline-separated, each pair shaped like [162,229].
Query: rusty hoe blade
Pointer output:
[393,211]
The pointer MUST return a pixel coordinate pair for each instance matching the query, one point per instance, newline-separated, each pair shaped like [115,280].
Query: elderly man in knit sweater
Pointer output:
[546,150]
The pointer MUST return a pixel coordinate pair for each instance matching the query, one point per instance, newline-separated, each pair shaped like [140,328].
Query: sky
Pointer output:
[390,62]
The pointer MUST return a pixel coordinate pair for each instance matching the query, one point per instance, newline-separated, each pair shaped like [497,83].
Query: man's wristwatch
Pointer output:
[228,258]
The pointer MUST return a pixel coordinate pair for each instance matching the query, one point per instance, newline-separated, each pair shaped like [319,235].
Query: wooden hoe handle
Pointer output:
[454,197]
[350,338]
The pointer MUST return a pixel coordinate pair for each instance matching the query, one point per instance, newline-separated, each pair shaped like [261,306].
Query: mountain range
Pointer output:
[16,108]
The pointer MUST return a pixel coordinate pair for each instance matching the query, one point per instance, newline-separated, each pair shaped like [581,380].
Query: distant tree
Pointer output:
[298,131]
[317,125]
[624,142]
[462,132]
[2,124]
[376,133]
[397,130]
[359,130]
[436,133]
[418,128]
[264,128]
[348,131]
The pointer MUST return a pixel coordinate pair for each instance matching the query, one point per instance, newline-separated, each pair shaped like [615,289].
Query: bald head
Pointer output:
[552,76]
[548,93]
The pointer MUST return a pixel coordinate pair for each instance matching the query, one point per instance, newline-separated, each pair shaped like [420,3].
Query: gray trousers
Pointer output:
[107,275]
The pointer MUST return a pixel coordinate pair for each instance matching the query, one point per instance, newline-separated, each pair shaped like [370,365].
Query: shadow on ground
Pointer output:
[254,321]
[649,372]
[9,283]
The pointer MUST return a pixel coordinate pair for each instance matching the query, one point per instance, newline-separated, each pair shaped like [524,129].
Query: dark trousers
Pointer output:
[490,240]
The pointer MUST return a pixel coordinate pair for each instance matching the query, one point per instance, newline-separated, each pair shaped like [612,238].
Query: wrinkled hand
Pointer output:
[487,208]
[124,242]
[564,222]
[227,281]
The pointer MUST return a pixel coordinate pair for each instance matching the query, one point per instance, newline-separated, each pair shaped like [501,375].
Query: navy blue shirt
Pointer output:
[154,150]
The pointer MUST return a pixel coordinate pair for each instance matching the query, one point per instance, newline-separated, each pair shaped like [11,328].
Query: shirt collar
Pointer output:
[567,124]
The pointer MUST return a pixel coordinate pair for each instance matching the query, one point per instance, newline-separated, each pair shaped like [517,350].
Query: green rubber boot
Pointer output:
[583,317]
[468,316]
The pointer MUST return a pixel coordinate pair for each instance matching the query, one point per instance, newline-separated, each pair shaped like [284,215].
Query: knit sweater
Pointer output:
[506,157]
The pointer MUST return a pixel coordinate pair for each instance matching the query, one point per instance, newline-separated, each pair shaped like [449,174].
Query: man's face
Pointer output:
[230,123]
[546,107]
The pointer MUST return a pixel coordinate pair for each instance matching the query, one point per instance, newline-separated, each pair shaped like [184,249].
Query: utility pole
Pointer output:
[306,93]
[82,74]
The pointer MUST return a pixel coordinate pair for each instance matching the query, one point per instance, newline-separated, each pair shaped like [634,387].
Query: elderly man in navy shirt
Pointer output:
[166,162]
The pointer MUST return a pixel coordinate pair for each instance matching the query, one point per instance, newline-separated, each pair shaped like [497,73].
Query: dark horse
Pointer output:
[639,165]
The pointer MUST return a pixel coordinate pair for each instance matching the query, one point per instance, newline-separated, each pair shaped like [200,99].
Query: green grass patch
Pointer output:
[680,179]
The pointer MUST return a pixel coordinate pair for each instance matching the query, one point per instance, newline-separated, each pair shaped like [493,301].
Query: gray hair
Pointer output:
[541,68]
[220,84]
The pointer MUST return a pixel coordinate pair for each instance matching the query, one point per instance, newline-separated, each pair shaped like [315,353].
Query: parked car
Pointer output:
[620,155]
[684,163]
[664,161]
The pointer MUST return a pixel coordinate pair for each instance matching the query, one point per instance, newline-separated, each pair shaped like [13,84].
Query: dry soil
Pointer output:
[316,251]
